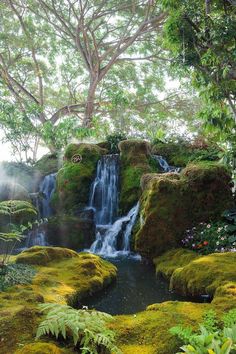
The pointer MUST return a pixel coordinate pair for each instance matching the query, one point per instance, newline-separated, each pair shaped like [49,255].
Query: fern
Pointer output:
[87,328]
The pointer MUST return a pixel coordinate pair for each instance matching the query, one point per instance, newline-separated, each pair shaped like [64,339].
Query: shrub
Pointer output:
[211,338]
[113,141]
[212,237]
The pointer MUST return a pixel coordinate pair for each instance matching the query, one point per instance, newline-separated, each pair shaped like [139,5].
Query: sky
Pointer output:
[6,154]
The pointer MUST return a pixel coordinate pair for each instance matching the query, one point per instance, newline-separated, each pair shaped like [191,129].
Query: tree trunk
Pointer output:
[89,108]
[208,7]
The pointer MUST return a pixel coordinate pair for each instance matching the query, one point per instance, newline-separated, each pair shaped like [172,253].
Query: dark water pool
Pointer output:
[136,287]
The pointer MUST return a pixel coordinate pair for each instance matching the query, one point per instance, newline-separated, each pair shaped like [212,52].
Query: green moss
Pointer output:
[39,255]
[74,179]
[48,164]
[181,153]
[205,274]
[194,275]
[170,204]
[173,259]
[135,156]
[40,348]
[148,331]
[64,279]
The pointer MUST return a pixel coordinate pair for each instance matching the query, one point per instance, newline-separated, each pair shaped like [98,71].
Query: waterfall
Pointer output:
[112,236]
[42,199]
[164,164]
[104,191]
[46,189]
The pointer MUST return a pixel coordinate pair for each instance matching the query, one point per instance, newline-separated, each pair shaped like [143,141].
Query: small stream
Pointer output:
[136,287]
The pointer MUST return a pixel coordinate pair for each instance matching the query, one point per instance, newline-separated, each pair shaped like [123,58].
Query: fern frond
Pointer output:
[87,328]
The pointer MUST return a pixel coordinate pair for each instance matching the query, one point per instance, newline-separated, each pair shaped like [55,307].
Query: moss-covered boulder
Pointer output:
[182,152]
[48,164]
[71,231]
[147,332]
[40,348]
[135,161]
[40,255]
[172,203]
[64,277]
[194,275]
[74,179]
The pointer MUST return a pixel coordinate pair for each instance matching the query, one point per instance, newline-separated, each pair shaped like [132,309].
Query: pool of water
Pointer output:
[136,287]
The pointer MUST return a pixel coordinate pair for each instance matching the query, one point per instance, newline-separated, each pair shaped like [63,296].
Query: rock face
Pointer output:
[74,179]
[182,153]
[171,203]
[71,231]
[135,158]
[47,164]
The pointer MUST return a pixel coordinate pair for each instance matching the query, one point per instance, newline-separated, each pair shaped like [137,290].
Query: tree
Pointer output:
[101,32]
[201,37]
[99,64]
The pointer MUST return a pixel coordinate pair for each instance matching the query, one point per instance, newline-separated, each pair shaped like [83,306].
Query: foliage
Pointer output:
[18,274]
[113,141]
[87,328]
[12,233]
[212,237]
[211,338]
[19,131]
[201,38]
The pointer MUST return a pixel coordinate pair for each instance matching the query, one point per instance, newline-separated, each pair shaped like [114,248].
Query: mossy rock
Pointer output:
[71,231]
[48,164]
[64,275]
[181,153]
[41,255]
[194,275]
[74,179]
[40,348]
[148,331]
[172,203]
[135,157]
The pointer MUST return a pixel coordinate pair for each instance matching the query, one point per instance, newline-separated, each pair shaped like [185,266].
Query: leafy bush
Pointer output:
[113,141]
[87,328]
[11,233]
[18,274]
[212,237]
[211,338]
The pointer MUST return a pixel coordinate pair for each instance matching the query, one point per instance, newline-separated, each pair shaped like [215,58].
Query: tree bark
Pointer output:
[89,108]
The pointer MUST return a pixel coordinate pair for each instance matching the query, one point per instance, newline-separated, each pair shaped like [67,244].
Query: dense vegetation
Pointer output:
[152,84]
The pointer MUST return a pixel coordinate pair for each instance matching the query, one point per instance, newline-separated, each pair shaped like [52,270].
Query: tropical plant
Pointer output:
[12,232]
[212,337]
[87,328]
[113,141]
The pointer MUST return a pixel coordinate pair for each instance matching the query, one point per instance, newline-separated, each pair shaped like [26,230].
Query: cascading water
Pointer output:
[104,194]
[46,189]
[164,164]
[104,201]
[37,236]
